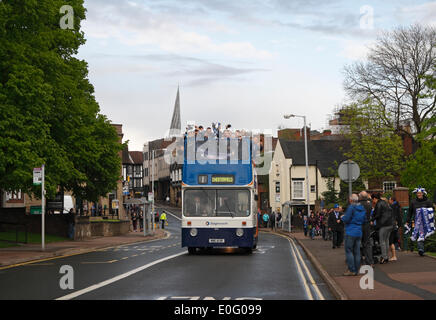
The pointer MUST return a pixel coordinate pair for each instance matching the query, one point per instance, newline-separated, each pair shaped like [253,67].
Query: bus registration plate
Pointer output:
[216,240]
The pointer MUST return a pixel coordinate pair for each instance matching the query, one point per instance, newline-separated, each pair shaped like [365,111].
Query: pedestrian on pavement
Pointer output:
[383,215]
[305,225]
[272,220]
[398,222]
[71,223]
[140,220]
[366,229]
[422,212]
[134,220]
[323,222]
[265,218]
[336,226]
[156,218]
[354,218]
[163,218]
[279,219]
[313,222]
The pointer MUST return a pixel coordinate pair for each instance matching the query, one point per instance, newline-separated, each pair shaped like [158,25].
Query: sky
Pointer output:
[244,62]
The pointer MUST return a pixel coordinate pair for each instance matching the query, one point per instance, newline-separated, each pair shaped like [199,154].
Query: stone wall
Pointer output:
[57,224]
[85,228]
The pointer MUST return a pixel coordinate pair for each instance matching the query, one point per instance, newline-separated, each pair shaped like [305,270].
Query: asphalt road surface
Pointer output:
[162,270]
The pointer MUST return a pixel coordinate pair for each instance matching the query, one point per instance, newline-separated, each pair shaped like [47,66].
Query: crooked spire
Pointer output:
[176,127]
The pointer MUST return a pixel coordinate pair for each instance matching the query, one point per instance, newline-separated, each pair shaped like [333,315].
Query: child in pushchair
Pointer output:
[375,245]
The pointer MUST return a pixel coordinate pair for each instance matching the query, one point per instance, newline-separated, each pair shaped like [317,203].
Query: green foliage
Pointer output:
[48,114]
[357,186]
[376,148]
[331,195]
[421,166]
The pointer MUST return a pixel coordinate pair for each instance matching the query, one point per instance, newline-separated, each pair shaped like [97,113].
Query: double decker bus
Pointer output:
[219,193]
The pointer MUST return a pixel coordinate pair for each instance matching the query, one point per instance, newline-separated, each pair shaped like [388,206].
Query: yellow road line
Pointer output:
[303,278]
[312,282]
[308,273]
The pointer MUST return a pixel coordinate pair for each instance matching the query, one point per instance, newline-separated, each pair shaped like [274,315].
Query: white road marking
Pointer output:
[117,278]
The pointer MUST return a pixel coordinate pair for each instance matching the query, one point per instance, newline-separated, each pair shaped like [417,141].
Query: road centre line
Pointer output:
[117,278]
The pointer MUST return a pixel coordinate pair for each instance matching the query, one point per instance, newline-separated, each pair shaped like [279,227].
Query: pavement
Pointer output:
[411,277]
[33,252]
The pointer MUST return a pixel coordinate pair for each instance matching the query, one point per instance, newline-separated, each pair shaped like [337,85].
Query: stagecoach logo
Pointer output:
[215,223]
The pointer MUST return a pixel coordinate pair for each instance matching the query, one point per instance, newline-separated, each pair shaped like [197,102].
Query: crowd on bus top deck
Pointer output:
[219,132]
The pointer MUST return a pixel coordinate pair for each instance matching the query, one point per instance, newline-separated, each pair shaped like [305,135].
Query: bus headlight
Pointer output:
[193,232]
[239,232]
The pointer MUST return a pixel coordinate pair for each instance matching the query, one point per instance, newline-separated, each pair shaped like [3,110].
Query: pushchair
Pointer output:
[375,244]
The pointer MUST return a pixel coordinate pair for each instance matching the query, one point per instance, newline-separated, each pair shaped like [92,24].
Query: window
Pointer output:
[278,187]
[138,183]
[297,189]
[138,171]
[14,195]
[312,189]
[218,202]
[389,186]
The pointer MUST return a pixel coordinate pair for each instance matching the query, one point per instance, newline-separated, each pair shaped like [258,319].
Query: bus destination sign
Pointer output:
[223,179]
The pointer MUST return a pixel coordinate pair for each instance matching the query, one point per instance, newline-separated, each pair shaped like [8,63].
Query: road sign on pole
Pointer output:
[39,179]
[349,171]
[37,176]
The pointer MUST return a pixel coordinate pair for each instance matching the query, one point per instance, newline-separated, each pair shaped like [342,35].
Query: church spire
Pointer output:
[175,127]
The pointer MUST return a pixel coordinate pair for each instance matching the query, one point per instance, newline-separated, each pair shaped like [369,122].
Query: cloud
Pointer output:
[196,71]
[423,13]
[135,24]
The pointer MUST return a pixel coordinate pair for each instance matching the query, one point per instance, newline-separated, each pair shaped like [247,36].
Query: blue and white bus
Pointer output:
[219,207]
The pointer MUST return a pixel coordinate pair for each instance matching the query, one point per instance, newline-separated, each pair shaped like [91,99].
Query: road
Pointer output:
[162,270]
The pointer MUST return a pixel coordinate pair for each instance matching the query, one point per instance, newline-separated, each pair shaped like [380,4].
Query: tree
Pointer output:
[421,166]
[331,195]
[48,114]
[375,148]
[394,76]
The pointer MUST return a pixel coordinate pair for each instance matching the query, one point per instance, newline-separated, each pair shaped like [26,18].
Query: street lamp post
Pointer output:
[152,183]
[307,159]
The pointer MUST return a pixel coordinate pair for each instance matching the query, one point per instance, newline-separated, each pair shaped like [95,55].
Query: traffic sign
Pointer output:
[349,170]
[37,176]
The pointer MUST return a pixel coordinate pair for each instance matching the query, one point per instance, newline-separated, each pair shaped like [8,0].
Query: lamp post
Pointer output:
[306,156]
[152,183]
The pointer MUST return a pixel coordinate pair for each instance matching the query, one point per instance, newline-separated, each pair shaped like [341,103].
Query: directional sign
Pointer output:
[347,168]
[37,176]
